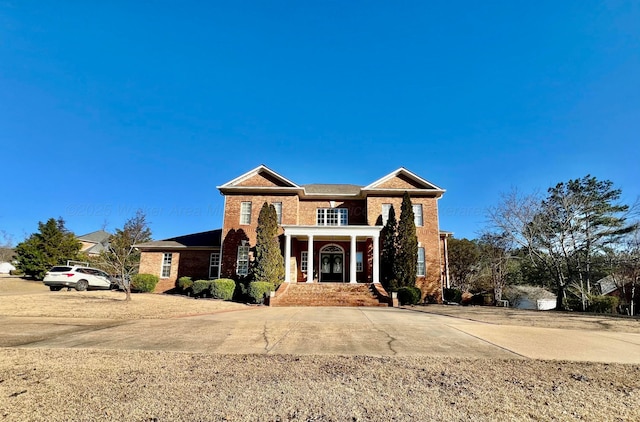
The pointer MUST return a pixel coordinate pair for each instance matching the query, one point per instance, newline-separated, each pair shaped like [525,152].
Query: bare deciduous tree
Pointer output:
[122,258]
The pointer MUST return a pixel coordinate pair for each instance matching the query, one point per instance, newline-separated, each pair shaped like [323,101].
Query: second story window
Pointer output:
[385,213]
[417,214]
[245,213]
[332,217]
[278,207]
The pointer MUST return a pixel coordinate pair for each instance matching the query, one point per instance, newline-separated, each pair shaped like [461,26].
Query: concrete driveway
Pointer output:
[341,331]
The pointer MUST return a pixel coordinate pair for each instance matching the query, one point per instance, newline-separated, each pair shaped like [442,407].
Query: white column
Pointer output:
[376,259]
[310,260]
[352,261]
[287,258]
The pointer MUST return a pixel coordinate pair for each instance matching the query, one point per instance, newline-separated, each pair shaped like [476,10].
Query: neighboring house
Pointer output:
[328,232]
[95,242]
[622,288]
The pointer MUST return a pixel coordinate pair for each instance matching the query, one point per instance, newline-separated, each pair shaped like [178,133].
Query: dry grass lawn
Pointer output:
[25,301]
[61,385]
[95,385]
[547,319]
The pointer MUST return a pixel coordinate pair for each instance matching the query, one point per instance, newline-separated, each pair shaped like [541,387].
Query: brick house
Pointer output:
[328,232]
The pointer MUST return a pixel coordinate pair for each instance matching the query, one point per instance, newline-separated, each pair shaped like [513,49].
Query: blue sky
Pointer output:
[107,107]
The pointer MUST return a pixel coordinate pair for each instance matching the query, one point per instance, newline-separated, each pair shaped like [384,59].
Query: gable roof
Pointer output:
[417,184]
[99,236]
[264,180]
[203,240]
[243,182]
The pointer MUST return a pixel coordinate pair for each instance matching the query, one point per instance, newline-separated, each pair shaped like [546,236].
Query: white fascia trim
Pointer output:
[266,189]
[255,171]
[331,195]
[398,192]
[363,231]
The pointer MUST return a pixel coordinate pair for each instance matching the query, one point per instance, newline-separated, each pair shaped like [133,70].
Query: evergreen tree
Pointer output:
[52,245]
[406,262]
[389,235]
[269,263]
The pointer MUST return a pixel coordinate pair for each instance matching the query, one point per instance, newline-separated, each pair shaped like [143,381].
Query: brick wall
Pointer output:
[399,182]
[151,263]
[232,212]
[428,237]
[195,264]
[357,211]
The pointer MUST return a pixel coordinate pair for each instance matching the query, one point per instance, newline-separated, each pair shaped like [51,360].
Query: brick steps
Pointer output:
[326,294]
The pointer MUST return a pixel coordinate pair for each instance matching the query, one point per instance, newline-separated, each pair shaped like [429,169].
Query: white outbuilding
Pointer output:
[6,267]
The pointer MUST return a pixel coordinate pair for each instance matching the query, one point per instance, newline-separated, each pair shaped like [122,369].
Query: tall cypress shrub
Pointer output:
[269,263]
[406,262]
[389,235]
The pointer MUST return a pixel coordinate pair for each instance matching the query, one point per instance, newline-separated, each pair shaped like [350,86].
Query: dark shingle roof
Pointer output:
[195,240]
[332,189]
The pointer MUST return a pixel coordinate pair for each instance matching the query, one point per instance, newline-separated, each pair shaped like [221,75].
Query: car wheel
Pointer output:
[82,285]
[55,288]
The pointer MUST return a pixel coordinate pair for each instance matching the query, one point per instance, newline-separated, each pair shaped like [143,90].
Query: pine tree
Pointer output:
[389,235]
[269,263]
[406,262]
[52,245]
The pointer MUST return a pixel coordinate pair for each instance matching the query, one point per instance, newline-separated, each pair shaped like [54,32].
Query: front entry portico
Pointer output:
[332,263]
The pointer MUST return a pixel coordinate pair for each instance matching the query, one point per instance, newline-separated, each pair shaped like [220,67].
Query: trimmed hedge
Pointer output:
[452,295]
[409,295]
[257,290]
[223,288]
[144,283]
[184,283]
[201,287]
[603,304]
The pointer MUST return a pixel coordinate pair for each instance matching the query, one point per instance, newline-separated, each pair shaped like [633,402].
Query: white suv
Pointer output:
[80,278]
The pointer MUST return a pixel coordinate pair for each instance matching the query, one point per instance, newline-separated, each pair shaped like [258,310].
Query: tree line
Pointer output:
[53,244]
[566,240]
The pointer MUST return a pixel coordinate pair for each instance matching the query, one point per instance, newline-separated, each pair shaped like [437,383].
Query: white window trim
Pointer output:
[245,213]
[164,264]
[216,266]
[421,262]
[417,216]
[359,262]
[242,248]
[304,261]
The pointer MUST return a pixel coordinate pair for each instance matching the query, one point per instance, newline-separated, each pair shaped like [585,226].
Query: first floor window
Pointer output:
[242,265]
[421,268]
[245,213]
[359,262]
[304,261]
[166,265]
[417,214]
[278,207]
[214,264]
